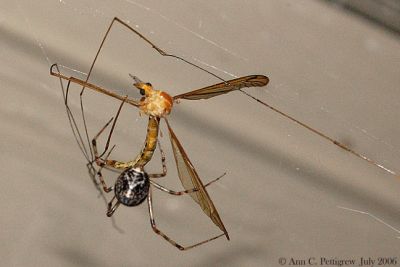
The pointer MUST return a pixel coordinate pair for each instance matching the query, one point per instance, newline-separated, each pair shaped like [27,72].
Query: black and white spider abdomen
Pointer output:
[132,187]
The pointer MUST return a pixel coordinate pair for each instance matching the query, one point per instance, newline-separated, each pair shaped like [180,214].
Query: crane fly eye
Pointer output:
[148,84]
[142,92]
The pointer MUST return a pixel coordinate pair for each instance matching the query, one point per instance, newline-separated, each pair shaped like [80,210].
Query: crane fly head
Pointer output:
[145,89]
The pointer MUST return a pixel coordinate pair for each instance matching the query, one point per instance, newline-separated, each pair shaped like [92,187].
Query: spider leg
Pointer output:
[179,193]
[159,232]
[112,208]
[164,165]
[106,188]
[99,161]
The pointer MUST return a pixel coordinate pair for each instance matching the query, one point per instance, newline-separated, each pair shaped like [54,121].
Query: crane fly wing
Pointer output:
[190,180]
[225,87]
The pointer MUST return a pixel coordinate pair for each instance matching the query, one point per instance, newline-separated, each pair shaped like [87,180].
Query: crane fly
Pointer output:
[134,185]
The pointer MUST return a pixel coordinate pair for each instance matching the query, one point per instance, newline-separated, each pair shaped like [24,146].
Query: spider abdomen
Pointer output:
[132,187]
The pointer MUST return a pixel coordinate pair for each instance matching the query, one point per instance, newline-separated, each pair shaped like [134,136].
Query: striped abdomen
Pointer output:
[150,145]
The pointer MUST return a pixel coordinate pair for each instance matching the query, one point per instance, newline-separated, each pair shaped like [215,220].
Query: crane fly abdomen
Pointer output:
[150,144]
[132,187]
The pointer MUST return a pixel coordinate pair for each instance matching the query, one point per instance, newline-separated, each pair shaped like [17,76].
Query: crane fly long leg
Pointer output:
[76,132]
[160,51]
[190,179]
[159,232]
[260,80]
[113,127]
[94,87]
[326,137]
[94,140]
[71,119]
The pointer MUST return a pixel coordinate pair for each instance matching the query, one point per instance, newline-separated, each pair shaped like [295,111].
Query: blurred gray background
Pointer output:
[287,193]
[382,12]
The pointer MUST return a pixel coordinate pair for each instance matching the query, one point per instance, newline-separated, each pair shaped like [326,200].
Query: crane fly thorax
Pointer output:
[156,103]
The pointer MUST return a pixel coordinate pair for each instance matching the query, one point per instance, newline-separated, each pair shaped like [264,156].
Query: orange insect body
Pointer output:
[155,103]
